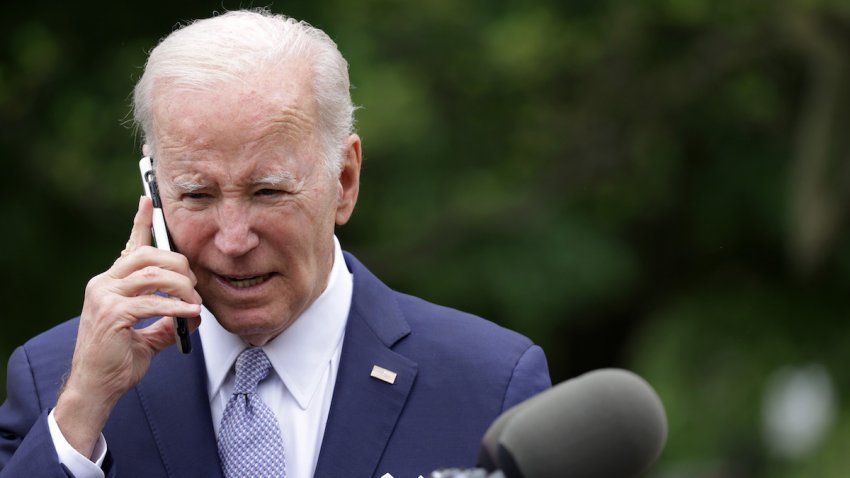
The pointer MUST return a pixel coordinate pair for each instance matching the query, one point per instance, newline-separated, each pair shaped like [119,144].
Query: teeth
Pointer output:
[249,282]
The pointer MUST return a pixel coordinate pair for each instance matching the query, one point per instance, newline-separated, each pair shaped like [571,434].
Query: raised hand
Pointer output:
[111,355]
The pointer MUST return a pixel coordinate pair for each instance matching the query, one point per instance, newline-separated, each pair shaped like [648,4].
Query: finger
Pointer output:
[105,307]
[160,334]
[147,256]
[153,279]
[140,234]
[130,311]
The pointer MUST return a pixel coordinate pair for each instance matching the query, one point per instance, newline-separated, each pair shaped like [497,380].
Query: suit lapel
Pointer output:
[365,409]
[174,398]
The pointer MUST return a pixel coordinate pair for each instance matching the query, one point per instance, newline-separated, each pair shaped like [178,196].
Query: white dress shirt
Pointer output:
[305,359]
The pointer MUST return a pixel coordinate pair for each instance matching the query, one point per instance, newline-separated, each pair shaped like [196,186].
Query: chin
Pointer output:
[257,337]
[254,331]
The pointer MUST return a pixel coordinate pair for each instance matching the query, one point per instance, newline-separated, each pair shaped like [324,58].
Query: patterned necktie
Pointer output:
[249,441]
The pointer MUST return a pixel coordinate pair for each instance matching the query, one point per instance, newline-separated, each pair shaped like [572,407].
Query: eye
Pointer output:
[196,196]
[268,192]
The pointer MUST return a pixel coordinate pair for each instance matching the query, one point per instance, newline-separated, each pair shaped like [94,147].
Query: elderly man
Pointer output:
[304,363]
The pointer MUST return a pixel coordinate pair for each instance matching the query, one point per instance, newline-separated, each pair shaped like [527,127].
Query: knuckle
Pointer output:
[100,304]
[183,262]
[91,286]
[95,281]
[150,272]
[187,281]
[94,288]
[145,249]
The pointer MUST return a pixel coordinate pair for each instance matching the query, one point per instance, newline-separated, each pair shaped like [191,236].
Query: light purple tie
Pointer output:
[249,441]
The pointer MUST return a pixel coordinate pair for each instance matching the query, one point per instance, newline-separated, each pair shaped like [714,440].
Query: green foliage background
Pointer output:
[658,185]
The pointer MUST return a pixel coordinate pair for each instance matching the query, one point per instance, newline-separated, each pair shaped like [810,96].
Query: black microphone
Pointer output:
[608,423]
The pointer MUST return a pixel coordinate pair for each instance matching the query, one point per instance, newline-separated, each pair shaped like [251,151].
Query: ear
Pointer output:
[349,180]
[146,150]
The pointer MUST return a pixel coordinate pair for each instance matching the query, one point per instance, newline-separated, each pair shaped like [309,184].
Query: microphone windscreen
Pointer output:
[607,423]
[488,455]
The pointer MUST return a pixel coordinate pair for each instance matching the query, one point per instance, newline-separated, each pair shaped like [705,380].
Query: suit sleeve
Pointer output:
[26,446]
[530,377]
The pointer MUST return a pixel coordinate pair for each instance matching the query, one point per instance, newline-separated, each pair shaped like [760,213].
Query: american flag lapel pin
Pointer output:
[383,374]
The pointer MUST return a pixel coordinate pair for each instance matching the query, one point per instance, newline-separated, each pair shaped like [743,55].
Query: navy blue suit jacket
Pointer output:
[456,374]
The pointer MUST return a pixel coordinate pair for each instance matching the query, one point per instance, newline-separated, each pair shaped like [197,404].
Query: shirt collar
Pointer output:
[301,352]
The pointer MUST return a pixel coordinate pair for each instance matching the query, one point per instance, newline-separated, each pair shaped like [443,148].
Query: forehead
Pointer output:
[275,107]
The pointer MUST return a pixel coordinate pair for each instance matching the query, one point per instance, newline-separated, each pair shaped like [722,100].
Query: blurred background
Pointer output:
[658,185]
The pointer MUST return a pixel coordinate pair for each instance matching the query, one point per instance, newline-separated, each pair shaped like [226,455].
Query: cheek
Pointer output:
[189,231]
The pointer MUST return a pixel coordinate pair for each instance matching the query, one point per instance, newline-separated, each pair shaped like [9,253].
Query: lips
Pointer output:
[244,282]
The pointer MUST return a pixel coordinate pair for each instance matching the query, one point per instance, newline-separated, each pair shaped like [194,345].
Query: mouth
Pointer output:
[245,282]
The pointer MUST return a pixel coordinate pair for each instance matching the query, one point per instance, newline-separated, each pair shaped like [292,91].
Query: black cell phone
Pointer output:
[161,238]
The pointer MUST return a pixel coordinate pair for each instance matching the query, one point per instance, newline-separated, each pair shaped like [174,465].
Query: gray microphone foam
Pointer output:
[607,423]
[488,456]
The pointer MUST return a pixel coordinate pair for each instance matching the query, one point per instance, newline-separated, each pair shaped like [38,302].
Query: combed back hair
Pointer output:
[237,45]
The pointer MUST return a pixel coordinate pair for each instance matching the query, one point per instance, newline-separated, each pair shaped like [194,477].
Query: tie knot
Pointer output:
[252,366]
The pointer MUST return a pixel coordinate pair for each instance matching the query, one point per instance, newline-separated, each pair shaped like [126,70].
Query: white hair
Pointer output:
[238,44]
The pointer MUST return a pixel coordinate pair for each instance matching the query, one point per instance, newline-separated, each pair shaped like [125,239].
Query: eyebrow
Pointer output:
[279,179]
[188,186]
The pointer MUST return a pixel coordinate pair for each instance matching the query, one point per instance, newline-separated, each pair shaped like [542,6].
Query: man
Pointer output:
[249,120]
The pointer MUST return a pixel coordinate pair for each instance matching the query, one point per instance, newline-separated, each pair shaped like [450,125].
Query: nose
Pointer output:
[235,235]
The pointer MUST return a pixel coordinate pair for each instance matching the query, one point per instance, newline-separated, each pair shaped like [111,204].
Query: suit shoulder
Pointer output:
[390,313]
[435,317]
[50,352]
[448,343]
[460,351]
[447,329]
[57,339]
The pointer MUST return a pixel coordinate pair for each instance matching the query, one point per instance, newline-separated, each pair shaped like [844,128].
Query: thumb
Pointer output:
[161,333]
